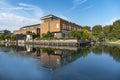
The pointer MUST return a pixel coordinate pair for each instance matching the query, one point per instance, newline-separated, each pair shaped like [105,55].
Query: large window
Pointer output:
[69,27]
[57,25]
[63,27]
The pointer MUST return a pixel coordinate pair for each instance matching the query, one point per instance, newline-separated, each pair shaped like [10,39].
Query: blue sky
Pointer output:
[17,13]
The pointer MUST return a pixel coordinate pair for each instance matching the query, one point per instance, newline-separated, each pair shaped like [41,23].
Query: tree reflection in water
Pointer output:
[113,51]
[54,58]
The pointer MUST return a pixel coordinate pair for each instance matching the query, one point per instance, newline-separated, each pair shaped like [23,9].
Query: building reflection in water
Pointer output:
[50,58]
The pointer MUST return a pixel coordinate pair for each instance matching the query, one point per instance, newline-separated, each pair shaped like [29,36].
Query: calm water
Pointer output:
[34,63]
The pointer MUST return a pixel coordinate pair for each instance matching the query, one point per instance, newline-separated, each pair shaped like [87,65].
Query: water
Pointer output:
[37,63]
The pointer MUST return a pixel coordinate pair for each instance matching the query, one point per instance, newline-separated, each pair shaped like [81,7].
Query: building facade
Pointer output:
[58,26]
[31,28]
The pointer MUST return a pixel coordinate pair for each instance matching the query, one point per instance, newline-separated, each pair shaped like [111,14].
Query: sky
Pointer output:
[18,13]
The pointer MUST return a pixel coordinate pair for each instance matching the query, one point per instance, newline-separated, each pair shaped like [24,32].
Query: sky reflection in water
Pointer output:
[84,64]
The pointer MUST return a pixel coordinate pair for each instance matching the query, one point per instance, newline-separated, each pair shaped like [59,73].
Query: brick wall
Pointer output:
[23,31]
[52,26]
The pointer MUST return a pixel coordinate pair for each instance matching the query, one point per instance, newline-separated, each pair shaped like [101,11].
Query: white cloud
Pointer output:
[88,7]
[111,21]
[16,8]
[13,22]
[13,17]
[5,6]
[77,2]
[24,4]
[34,10]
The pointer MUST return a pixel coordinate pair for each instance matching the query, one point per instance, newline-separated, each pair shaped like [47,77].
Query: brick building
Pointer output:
[32,28]
[58,26]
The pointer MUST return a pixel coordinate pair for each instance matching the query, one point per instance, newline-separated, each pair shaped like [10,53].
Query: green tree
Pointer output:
[44,35]
[28,32]
[86,27]
[2,36]
[97,31]
[13,37]
[101,36]
[7,36]
[116,29]
[75,34]
[106,30]
[49,34]
[85,34]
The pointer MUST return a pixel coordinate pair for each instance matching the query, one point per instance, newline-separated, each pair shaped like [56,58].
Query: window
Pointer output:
[69,27]
[66,27]
[57,25]
[63,27]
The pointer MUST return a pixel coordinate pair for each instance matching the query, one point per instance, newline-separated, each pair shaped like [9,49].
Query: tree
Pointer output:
[44,35]
[75,34]
[28,32]
[2,36]
[7,36]
[106,30]
[13,37]
[116,29]
[86,28]
[101,36]
[49,34]
[85,34]
[97,31]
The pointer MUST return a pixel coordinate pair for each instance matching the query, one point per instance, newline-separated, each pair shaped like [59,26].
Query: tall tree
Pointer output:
[13,37]
[85,34]
[97,31]
[106,30]
[86,27]
[2,36]
[75,34]
[116,29]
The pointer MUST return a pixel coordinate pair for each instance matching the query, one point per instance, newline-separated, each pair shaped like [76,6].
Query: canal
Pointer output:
[99,62]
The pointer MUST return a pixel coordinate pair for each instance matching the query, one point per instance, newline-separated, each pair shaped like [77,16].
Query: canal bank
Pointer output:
[61,42]
[70,42]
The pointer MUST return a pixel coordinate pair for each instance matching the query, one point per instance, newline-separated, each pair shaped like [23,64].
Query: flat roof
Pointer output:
[30,26]
[48,16]
[51,15]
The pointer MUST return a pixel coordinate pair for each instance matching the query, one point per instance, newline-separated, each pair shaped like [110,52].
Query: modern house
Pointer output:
[58,26]
[5,32]
[31,28]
